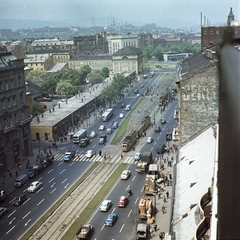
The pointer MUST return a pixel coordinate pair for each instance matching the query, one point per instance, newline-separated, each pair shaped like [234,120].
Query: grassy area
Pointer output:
[122,129]
[59,202]
[94,203]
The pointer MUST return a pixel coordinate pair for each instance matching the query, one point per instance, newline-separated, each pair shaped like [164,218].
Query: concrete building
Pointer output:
[15,141]
[115,43]
[39,61]
[127,60]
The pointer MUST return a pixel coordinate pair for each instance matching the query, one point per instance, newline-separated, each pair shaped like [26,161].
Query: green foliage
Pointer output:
[95,77]
[35,73]
[147,53]
[105,72]
[65,88]
[49,85]
[83,73]
[37,108]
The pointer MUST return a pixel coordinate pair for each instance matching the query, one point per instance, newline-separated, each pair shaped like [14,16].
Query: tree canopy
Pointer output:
[35,73]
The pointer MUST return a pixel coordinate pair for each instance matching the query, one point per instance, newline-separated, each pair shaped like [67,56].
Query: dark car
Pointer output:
[111,219]
[19,200]
[123,105]
[136,91]
[157,128]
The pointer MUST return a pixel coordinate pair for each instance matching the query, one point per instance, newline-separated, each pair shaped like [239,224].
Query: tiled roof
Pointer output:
[129,50]
[195,63]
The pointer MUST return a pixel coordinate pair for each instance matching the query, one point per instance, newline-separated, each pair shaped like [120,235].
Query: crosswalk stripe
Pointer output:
[96,158]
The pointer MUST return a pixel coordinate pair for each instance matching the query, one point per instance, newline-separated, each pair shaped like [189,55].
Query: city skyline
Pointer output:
[137,12]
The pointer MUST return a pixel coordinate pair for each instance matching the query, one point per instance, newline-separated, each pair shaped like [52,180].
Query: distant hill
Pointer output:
[16,24]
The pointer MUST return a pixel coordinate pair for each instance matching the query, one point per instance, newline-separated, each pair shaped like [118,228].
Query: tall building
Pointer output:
[15,141]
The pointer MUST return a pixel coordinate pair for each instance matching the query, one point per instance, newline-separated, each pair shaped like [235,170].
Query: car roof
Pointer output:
[106,201]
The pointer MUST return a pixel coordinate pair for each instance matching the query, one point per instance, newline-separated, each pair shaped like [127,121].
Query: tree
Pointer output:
[119,83]
[147,53]
[35,73]
[49,85]
[95,77]
[105,72]
[37,108]
[65,88]
[158,53]
[83,73]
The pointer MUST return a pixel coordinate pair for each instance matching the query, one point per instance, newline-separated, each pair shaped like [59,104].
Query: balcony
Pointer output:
[26,120]
[8,128]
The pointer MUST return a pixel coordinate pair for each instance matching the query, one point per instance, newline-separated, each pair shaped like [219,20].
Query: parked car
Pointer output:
[163,120]
[137,156]
[106,204]
[121,115]
[149,140]
[111,219]
[122,201]
[89,154]
[36,185]
[109,131]
[101,128]
[3,210]
[19,200]
[93,134]
[125,174]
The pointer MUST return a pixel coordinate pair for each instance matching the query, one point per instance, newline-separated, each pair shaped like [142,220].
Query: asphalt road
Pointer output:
[60,176]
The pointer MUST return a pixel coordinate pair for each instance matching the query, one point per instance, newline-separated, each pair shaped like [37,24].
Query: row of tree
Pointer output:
[149,52]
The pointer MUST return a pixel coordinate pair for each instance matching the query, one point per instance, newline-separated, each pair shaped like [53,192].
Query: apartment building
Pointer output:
[15,141]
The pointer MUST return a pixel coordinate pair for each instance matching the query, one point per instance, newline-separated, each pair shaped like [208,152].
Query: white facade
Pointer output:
[116,43]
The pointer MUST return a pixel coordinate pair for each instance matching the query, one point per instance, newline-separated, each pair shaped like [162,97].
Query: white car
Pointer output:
[128,108]
[101,128]
[89,154]
[149,139]
[109,131]
[106,204]
[125,174]
[93,134]
[137,156]
[36,185]
[121,115]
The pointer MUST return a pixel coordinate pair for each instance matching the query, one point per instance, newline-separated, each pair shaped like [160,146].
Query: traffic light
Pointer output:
[168,136]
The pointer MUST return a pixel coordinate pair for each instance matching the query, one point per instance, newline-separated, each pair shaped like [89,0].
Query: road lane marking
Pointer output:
[53,184]
[62,171]
[64,180]
[11,213]
[27,223]
[26,214]
[51,180]
[50,171]
[10,229]
[11,221]
[40,202]
[121,228]
[53,190]
[129,213]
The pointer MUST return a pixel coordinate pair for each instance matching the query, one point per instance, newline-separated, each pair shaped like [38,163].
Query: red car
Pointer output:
[122,201]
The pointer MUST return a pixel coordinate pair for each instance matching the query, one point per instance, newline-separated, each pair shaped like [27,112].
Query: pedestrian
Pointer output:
[159,194]
[10,174]
[100,153]
[167,193]
[164,199]
[26,165]
[155,227]
[161,235]
[50,152]
[121,156]
[16,173]
[20,167]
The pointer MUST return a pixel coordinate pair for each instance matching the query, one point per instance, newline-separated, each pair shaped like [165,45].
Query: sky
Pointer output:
[130,11]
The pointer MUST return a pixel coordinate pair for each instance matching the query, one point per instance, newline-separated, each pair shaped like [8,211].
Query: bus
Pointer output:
[79,135]
[107,114]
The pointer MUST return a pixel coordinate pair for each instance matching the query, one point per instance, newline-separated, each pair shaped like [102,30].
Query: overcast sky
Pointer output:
[131,11]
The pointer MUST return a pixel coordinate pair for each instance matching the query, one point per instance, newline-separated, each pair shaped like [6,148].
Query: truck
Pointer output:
[34,170]
[161,149]
[143,163]
[146,216]
[149,185]
[84,231]
[69,155]
[102,139]
[48,160]
[84,142]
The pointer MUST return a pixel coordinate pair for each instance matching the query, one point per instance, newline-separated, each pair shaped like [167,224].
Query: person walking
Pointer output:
[167,193]
[164,199]
[16,173]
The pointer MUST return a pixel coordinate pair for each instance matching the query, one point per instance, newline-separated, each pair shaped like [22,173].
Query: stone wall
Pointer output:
[198,102]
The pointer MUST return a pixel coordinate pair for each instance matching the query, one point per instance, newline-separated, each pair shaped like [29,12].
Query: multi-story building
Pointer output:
[15,141]
[39,61]
[116,43]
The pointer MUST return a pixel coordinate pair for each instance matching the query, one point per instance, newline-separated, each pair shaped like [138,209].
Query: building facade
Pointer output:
[15,141]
